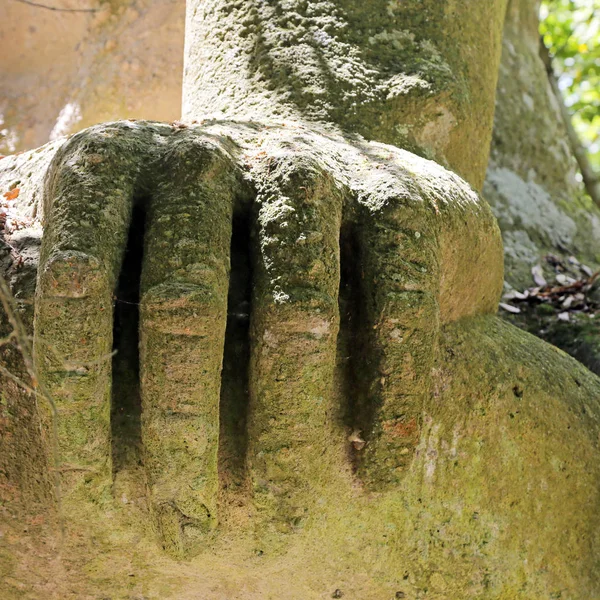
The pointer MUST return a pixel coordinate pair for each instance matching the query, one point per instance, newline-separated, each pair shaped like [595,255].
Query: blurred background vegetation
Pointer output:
[571,31]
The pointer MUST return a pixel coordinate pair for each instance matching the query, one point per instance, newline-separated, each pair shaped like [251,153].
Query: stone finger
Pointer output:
[294,329]
[183,316]
[88,204]
[399,261]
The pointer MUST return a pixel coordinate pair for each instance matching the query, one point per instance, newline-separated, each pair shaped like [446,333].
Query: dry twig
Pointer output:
[56,8]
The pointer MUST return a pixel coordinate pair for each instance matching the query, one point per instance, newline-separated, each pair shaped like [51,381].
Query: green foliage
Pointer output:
[571,30]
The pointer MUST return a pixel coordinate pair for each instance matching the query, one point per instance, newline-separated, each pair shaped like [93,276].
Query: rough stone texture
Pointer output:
[463,524]
[419,75]
[479,474]
[531,180]
[390,200]
[25,483]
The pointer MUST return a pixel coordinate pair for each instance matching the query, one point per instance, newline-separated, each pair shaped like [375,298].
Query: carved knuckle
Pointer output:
[181,308]
[197,153]
[298,173]
[73,274]
[96,144]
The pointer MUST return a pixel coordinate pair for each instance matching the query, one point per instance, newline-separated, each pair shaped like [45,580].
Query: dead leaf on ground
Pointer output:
[538,275]
[355,439]
[14,193]
[509,308]
[569,294]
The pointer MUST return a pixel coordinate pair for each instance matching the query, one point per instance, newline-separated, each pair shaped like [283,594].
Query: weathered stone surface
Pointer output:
[531,179]
[466,482]
[499,501]
[418,75]
[398,440]
[415,241]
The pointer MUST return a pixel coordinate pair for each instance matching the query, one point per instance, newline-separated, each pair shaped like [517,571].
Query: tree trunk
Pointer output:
[531,180]
[532,186]
[322,386]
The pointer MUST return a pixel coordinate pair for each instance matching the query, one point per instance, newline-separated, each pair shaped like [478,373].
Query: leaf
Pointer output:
[516,295]
[586,270]
[568,301]
[571,30]
[564,279]
[538,275]
[14,193]
[509,308]
[355,439]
